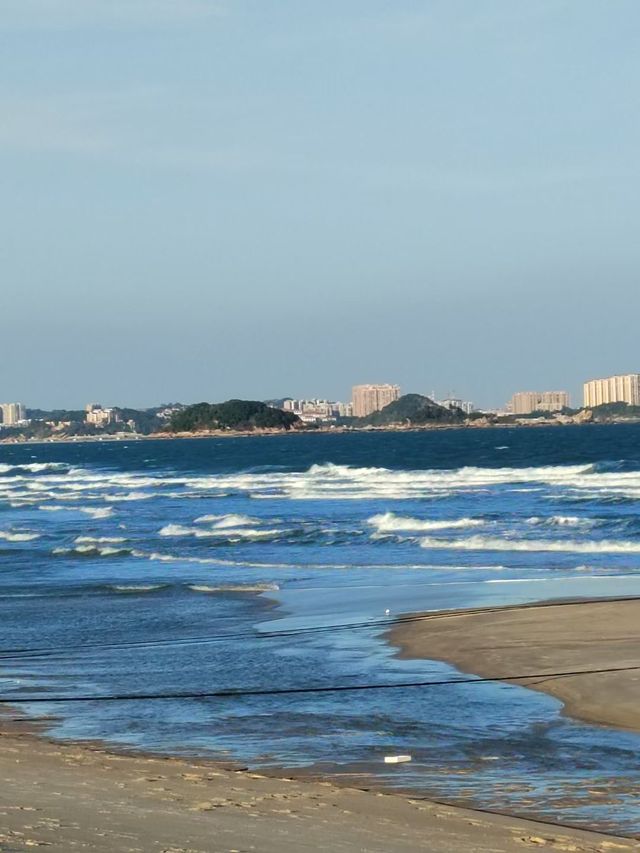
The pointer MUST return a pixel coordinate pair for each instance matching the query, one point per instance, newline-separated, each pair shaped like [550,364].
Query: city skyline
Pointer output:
[593,392]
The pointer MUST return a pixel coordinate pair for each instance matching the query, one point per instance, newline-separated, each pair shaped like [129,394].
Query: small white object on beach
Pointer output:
[396,759]
[387,612]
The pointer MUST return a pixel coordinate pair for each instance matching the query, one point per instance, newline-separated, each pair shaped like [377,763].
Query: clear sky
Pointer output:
[255,198]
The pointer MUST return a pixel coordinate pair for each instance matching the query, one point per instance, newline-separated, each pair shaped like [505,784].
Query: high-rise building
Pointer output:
[614,389]
[12,413]
[526,402]
[455,403]
[372,398]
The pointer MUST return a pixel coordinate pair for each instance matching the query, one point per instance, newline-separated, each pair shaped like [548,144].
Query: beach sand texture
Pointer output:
[543,638]
[66,797]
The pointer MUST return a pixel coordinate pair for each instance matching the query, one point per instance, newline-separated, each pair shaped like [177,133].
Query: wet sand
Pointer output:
[543,638]
[66,797]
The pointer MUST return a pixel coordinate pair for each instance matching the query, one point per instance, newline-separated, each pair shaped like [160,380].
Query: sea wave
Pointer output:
[97,512]
[129,496]
[229,520]
[231,533]
[158,556]
[253,588]
[321,482]
[92,550]
[488,543]
[389,522]
[97,540]
[18,536]
[34,467]
[562,521]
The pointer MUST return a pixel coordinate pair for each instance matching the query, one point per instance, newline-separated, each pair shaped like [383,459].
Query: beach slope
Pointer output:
[66,797]
[543,638]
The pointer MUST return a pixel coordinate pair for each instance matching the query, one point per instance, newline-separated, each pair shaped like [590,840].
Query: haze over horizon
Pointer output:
[207,199]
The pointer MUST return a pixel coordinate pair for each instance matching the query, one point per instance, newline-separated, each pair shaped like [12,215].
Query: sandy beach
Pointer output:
[547,637]
[69,797]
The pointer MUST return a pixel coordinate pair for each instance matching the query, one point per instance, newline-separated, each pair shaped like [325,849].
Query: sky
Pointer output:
[204,199]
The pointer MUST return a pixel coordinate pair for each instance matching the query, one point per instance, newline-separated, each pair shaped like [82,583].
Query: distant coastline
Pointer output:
[319,430]
[237,417]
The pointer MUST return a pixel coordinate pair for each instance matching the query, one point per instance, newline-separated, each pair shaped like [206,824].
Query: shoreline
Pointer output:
[95,796]
[335,430]
[89,796]
[543,637]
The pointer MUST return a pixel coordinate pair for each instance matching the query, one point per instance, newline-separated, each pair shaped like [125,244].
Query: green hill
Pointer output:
[412,409]
[232,415]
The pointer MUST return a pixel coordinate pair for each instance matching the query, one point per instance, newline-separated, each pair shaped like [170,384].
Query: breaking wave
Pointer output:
[562,521]
[34,467]
[222,521]
[233,527]
[92,550]
[59,481]
[389,522]
[482,543]
[252,588]
[98,540]
[97,512]
[18,536]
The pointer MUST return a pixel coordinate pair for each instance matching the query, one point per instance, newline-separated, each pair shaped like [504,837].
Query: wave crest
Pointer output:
[389,522]
[494,543]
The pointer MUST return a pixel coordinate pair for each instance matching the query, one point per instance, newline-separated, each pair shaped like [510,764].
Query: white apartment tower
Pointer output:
[12,413]
[614,389]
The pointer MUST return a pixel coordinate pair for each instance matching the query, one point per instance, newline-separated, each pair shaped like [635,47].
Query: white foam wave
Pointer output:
[221,532]
[154,556]
[562,521]
[254,588]
[389,522]
[97,512]
[92,550]
[222,521]
[149,587]
[18,536]
[487,543]
[325,482]
[34,467]
[176,530]
[96,540]
[129,496]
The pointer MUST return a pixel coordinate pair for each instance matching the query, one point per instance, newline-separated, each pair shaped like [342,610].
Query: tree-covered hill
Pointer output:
[232,415]
[412,409]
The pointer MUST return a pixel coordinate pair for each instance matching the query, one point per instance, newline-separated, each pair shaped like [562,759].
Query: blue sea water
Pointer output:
[205,565]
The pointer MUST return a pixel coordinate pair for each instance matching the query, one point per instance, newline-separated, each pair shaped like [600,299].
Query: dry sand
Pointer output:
[542,638]
[66,797]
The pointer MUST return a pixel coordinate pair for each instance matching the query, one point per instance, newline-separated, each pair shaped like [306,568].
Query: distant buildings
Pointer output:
[100,417]
[454,403]
[614,389]
[318,411]
[526,402]
[372,398]
[12,413]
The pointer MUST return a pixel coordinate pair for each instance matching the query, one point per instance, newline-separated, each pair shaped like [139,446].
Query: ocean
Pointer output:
[275,562]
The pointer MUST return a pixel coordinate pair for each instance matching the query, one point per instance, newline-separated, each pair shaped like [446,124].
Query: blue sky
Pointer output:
[213,198]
